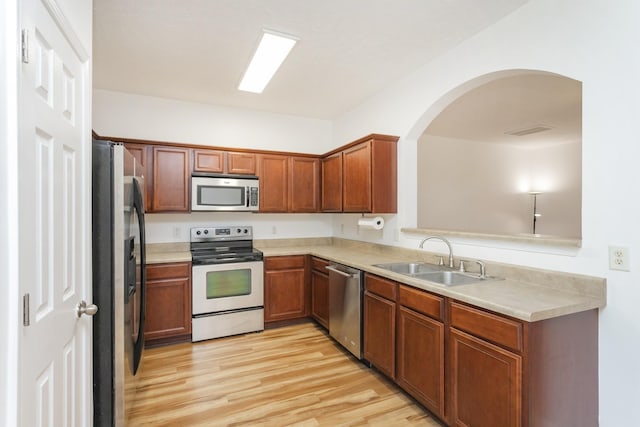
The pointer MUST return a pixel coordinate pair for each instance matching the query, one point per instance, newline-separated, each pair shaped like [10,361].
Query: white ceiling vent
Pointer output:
[528,131]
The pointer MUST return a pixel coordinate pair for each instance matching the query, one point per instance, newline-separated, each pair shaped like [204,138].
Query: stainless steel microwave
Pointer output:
[224,192]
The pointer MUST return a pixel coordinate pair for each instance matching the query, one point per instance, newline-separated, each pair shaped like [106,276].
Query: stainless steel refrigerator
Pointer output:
[119,280]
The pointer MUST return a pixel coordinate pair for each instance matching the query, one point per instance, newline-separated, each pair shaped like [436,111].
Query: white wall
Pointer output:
[596,42]
[125,115]
[163,228]
[483,187]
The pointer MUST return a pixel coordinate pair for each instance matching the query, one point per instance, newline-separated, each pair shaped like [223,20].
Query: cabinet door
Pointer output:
[171,174]
[304,184]
[241,163]
[142,153]
[320,297]
[420,353]
[332,183]
[273,171]
[285,283]
[208,161]
[168,305]
[380,333]
[486,383]
[356,181]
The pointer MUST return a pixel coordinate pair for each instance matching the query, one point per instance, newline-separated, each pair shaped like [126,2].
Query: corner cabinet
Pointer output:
[332,183]
[285,288]
[320,291]
[304,184]
[368,176]
[168,305]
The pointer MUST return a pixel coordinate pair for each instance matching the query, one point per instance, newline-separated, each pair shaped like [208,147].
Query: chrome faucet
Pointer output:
[483,275]
[445,241]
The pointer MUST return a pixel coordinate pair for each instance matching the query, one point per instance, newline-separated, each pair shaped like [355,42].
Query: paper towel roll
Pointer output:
[372,223]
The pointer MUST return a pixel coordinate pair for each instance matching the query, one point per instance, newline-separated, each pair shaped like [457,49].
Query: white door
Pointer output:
[54,205]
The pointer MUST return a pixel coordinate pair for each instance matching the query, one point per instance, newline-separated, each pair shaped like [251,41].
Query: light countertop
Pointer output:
[524,293]
[558,294]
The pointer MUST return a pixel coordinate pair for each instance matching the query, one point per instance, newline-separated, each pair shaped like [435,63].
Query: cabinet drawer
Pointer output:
[168,271]
[497,329]
[319,264]
[382,287]
[284,262]
[422,302]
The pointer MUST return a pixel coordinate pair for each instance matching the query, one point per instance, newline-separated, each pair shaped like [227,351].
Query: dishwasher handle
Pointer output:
[342,273]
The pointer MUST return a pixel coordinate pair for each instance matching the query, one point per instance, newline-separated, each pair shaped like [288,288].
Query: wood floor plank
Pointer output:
[290,376]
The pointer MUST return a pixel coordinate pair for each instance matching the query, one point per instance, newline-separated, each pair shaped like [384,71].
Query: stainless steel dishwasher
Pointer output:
[345,307]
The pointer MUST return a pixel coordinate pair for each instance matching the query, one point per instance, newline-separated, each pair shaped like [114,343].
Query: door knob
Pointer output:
[83,308]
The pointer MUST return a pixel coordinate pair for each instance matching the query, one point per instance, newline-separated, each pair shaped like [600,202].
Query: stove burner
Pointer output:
[223,245]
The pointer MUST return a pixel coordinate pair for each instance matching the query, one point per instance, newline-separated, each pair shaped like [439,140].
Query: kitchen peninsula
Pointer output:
[531,338]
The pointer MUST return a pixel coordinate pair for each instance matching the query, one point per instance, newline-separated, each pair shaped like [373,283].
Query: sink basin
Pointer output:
[450,278]
[433,273]
[410,268]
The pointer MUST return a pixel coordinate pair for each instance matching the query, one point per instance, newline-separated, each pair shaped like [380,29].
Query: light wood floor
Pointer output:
[294,375]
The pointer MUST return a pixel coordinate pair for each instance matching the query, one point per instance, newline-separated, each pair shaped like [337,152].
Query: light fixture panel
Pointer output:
[272,50]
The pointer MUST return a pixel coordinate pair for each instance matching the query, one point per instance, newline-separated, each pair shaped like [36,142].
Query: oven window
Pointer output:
[228,283]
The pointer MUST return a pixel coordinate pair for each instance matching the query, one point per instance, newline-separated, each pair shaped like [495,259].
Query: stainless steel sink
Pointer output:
[450,278]
[434,273]
[410,268]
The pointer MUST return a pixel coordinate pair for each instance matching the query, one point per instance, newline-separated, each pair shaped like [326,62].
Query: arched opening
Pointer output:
[502,155]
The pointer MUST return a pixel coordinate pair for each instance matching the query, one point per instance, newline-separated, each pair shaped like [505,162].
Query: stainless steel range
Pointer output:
[228,282]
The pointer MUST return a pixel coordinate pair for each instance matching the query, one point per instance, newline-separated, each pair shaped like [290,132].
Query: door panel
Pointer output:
[54,183]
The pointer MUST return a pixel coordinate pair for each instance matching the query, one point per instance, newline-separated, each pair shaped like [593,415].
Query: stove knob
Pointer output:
[198,232]
[246,230]
[239,230]
[206,231]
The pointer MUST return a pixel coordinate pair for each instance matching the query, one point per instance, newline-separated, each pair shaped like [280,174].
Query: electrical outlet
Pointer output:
[619,258]
[274,230]
[177,232]
[341,228]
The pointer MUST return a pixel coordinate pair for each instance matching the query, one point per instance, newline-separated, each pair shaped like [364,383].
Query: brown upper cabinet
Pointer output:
[359,177]
[171,173]
[368,176]
[143,154]
[241,163]
[304,184]
[218,161]
[289,183]
[273,170]
[332,183]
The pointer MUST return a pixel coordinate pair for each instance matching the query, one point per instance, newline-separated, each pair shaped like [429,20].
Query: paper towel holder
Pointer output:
[371,223]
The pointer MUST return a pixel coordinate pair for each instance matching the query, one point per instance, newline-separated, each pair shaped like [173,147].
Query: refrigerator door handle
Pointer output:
[138,204]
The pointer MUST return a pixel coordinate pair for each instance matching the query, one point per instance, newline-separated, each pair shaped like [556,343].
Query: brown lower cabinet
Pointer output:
[420,348]
[380,324]
[473,367]
[320,291]
[285,288]
[168,305]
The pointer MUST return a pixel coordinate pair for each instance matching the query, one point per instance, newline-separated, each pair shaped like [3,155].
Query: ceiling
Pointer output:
[197,50]
[493,111]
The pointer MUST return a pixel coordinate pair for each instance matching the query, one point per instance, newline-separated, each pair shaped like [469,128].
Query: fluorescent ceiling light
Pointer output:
[271,52]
